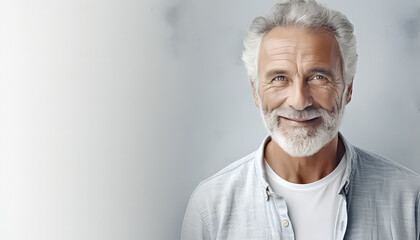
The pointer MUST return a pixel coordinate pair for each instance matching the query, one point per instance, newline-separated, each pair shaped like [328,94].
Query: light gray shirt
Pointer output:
[380,200]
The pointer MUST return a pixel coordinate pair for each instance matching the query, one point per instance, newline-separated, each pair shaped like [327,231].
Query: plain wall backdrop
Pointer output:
[112,112]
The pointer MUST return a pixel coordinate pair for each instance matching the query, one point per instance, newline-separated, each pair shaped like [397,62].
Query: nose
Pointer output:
[299,97]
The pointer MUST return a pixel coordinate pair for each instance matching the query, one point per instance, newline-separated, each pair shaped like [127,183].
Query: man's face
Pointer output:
[300,88]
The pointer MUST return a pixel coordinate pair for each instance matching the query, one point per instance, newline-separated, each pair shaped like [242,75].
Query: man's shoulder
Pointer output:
[374,166]
[226,181]
[243,164]
[369,159]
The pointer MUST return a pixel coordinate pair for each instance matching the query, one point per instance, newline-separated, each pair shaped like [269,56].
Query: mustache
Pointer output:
[305,114]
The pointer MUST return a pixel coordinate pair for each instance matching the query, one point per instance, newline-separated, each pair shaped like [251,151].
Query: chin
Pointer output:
[301,142]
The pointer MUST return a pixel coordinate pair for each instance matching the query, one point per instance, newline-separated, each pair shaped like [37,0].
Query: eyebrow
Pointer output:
[275,72]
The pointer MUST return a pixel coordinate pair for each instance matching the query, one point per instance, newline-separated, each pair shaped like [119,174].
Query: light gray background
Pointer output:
[111,112]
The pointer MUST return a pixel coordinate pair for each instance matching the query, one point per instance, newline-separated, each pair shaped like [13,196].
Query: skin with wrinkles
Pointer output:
[301,69]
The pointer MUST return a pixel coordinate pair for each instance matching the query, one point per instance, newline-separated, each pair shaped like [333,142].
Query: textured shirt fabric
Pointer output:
[312,207]
[379,201]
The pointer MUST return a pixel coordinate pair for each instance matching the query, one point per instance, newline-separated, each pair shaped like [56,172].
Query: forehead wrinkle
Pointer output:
[285,49]
[313,61]
[272,44]
[276,41]
[281,59]
[278,61]
[280,52]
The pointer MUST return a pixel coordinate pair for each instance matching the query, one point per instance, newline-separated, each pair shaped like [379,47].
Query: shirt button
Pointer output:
[285,223]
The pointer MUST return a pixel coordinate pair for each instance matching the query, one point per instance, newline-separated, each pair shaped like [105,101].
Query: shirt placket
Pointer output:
[278,216]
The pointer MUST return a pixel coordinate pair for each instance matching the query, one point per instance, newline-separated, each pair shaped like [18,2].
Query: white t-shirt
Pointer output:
[312,207]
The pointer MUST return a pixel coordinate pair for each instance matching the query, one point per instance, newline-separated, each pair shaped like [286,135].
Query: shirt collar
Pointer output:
[348,172]
[350,167]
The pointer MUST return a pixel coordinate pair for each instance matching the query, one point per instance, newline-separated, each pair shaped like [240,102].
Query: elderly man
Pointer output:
[305,181]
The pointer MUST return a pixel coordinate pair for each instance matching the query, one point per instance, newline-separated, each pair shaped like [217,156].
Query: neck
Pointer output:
[302,170]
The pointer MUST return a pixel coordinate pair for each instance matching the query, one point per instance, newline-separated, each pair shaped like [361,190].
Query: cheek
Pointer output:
[273,98]
[328,98]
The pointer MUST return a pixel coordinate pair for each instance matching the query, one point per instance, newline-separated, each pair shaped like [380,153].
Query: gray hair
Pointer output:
[307,14]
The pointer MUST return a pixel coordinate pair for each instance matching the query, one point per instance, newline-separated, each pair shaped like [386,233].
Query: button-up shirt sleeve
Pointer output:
[194,226]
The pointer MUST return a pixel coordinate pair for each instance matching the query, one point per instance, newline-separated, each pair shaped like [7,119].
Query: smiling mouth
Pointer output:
[299,122]
[302,120]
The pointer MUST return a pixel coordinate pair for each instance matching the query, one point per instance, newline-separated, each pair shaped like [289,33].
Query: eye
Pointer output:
[318,80]
[319,77]
[279,79]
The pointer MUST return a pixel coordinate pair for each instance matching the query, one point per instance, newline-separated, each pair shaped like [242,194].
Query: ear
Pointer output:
[349,92]
[254,92]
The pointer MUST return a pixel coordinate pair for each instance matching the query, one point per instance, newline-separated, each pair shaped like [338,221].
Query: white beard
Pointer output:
[303,141]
